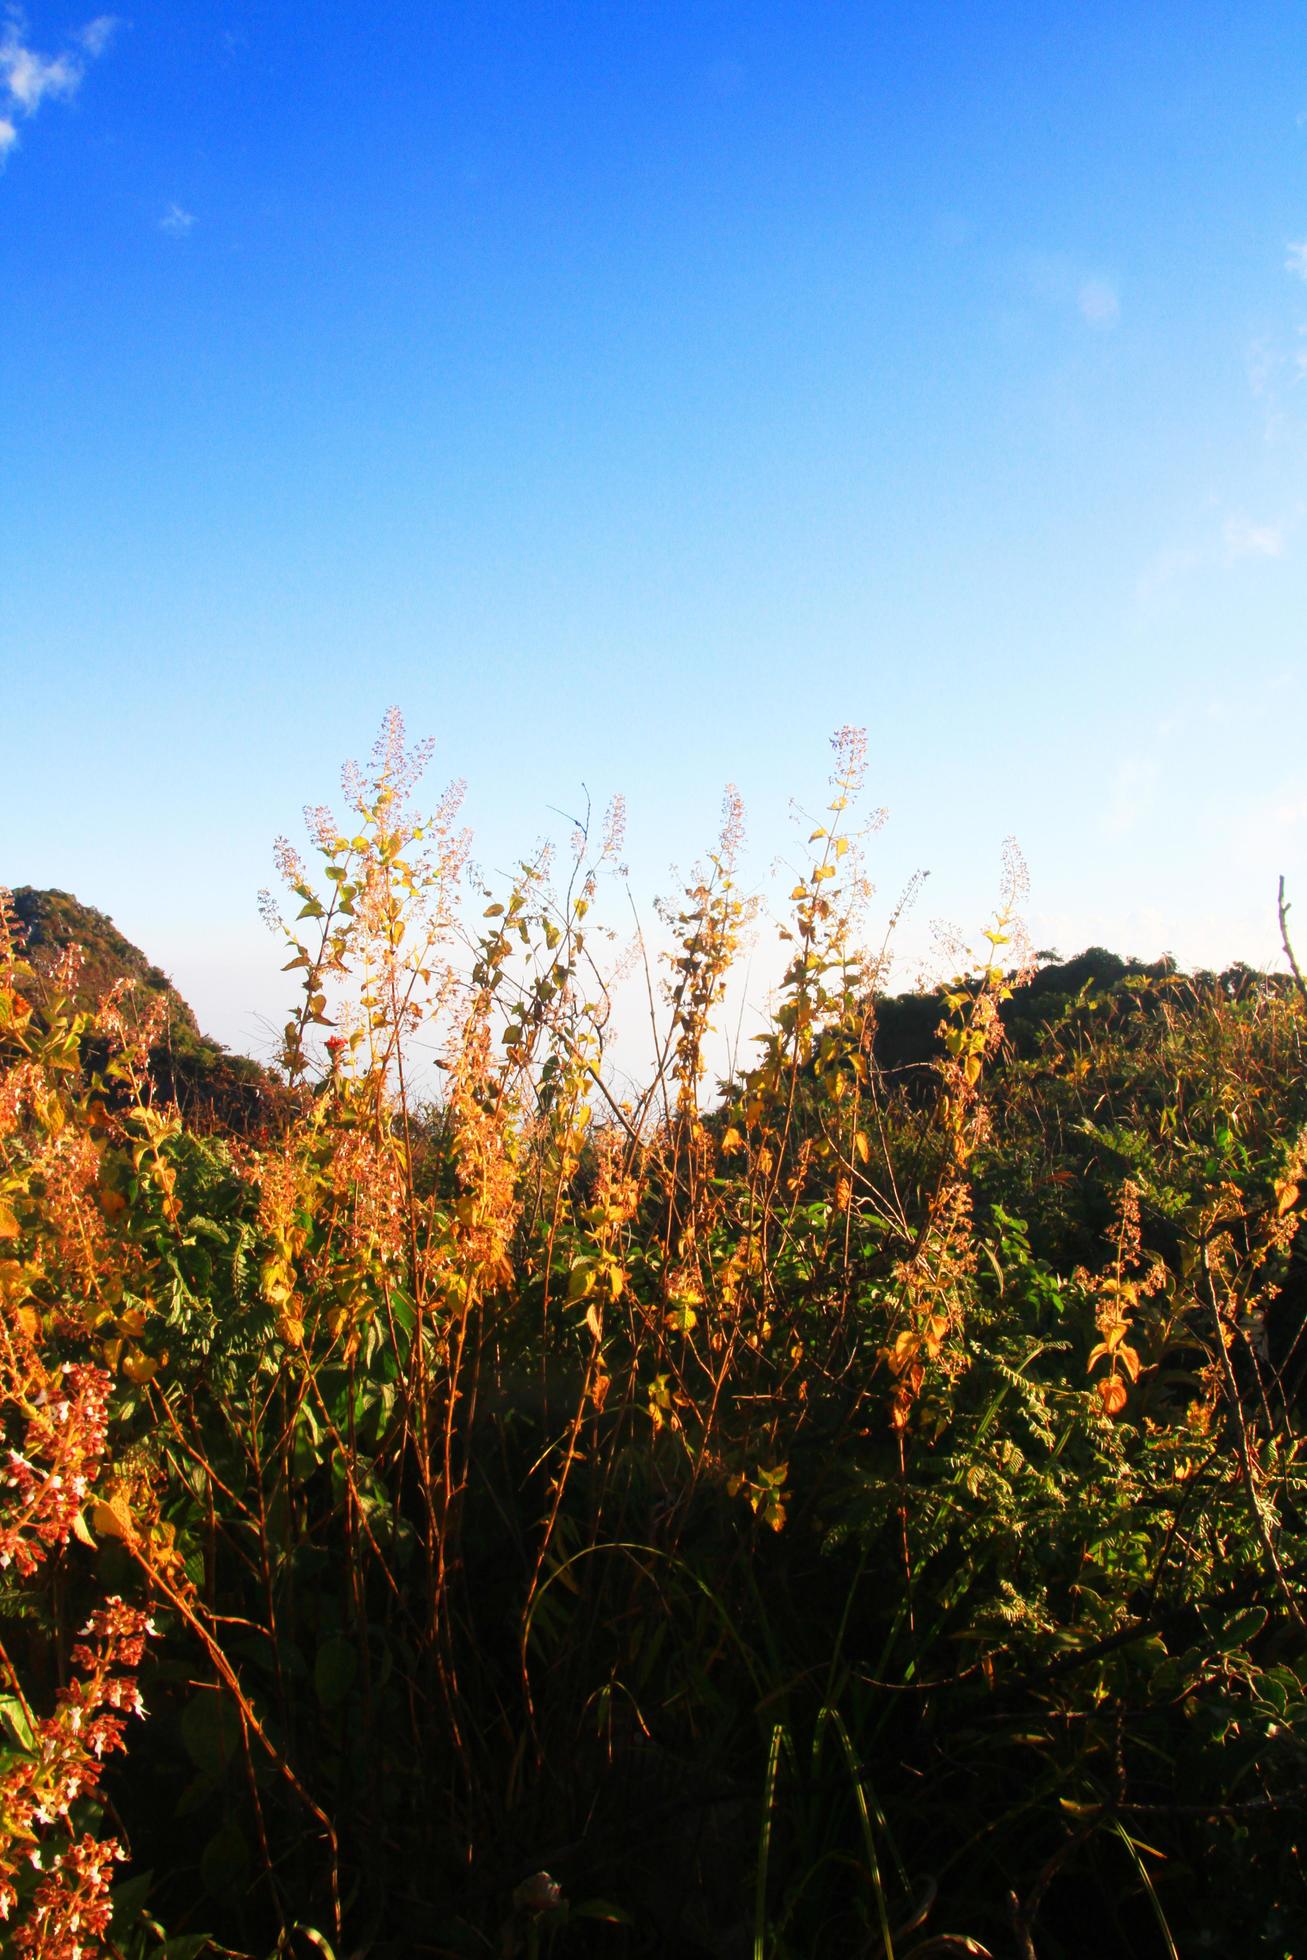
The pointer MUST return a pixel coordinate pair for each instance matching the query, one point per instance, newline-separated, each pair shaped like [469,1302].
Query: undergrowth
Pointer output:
[846,1512]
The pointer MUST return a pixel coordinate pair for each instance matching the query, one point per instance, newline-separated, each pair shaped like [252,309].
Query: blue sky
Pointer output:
[635,393]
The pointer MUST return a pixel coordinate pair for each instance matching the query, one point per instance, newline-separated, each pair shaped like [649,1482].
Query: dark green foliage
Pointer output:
[212,1087]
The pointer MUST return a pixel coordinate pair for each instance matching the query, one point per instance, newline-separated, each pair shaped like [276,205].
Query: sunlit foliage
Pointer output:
[846,1509]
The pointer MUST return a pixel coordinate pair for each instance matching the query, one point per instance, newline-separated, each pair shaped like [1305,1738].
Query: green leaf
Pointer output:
[1243,1627]
[210,1730]
[334,1670]
[225,1864]
[315,1938]
[14,1719]
[128,1899]
[601,1909]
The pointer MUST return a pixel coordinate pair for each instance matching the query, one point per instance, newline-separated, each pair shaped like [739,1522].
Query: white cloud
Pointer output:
[177,221]
[1099,303]
[1244,539]
[1296,262]
[28,77]
[1165,576]
[1059,280]
[97,34]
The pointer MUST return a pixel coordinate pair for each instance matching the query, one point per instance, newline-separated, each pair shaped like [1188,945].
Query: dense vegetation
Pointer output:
[857,1512]
[210,1086]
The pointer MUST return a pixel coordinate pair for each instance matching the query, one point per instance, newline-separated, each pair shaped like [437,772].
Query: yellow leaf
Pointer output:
[936,1329]
[1112,1394]
[112,1519]
[904,1348]
[581,1280]
[8,1223]
[861,1145]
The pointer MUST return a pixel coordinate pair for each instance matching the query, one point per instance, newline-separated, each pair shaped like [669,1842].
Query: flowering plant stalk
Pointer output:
[55,1867]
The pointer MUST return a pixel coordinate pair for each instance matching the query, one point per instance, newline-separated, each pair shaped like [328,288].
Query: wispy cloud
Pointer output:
[1244,539]
[1262,361]
[177,221]
[1234,540]
[1064,282]
[1099,304]
[28,77]
[1296,258]
[97,34]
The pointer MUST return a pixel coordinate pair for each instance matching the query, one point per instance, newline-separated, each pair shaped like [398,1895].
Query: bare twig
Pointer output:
[1287,943]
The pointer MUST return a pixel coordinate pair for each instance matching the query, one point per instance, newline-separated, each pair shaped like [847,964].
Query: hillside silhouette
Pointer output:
[213,1087]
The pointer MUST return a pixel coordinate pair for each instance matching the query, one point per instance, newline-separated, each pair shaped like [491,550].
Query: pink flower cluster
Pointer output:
[68,1912]
[71,1908]
[47,1480]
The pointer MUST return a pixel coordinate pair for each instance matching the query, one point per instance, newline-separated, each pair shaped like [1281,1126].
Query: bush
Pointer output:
[820,1517]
